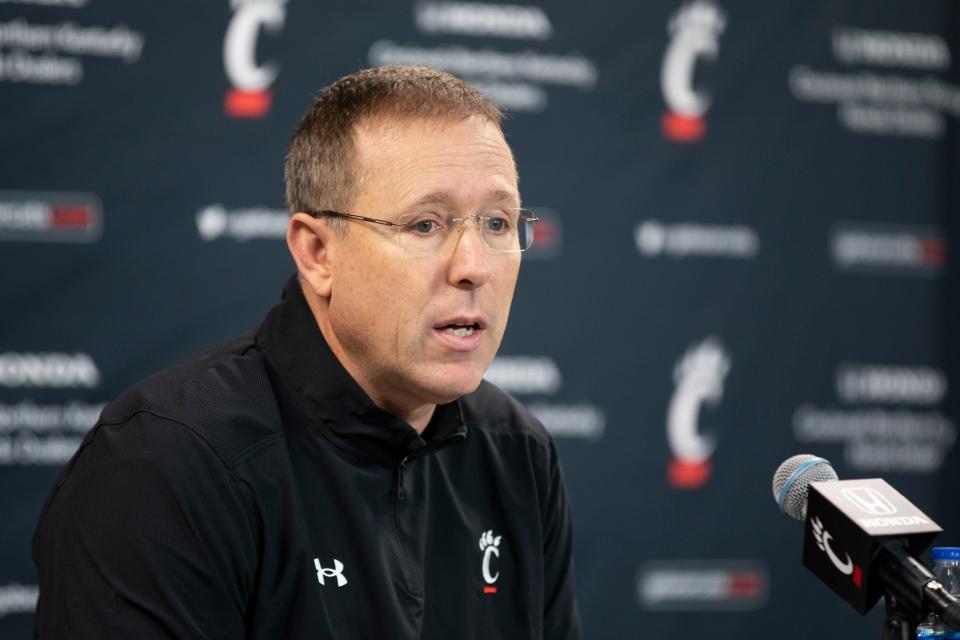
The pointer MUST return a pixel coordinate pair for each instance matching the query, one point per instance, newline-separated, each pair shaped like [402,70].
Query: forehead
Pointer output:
[464,162]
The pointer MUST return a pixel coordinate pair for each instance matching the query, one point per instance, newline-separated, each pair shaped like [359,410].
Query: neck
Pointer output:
[420,419]
[417,415]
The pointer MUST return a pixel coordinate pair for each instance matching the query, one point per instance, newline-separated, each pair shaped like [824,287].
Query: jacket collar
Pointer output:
[331,399]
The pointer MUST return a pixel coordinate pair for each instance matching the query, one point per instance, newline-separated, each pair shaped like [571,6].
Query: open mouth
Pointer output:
[461,330]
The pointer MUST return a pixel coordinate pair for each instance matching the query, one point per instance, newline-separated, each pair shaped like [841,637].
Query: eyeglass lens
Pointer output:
[501,230]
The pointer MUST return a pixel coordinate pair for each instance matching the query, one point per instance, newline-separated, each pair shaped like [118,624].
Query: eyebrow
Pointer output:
[445,199]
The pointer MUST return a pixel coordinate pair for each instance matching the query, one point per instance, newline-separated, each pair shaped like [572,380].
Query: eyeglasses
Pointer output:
[425,233]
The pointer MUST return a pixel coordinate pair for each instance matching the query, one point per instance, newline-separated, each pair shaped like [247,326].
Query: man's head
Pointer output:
[413,329]
[322,168]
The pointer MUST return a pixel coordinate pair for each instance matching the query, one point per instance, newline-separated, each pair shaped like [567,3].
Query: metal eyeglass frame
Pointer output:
[388,223]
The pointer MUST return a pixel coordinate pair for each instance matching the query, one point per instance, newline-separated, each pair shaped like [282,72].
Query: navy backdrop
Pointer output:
[743,256]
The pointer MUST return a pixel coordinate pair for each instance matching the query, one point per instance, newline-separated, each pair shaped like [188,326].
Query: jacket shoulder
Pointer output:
[225,396]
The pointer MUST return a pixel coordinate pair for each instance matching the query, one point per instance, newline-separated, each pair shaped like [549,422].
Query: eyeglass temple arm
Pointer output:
[386,223]
[337,214]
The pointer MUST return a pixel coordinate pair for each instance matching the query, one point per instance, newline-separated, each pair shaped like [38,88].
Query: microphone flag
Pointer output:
[848,523]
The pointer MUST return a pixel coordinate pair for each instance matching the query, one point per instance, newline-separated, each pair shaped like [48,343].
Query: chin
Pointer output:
[446,386]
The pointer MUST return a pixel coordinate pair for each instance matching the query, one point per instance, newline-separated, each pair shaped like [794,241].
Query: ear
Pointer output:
[308,240]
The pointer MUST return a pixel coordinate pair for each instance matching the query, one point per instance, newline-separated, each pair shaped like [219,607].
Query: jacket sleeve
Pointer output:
[146,535]
[561,616]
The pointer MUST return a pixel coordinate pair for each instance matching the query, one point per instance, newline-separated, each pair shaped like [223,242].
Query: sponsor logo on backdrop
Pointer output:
[45,433]
[18,598]
[250,95]
[531,378]
[33,433]
[55,370]
[699,377]
[49,217]
[885,384]
[483,20]
[525,374]
[695,240]
[889,249]
[702,585]
[888,421]
[67,4]
[216,222]
[890,49]
[516,76]
[695,31]
[580,421]
[883,82]
[54,53]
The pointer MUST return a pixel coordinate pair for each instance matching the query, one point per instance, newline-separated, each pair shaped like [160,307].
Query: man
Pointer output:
[344,472]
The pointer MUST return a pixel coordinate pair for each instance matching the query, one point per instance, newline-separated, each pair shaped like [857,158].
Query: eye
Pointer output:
[423,225]
[498,223]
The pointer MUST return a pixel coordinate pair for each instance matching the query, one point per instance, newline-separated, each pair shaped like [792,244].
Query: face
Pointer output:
[396,320]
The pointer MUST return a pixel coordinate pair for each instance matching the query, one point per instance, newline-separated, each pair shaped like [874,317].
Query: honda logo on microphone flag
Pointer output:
[870,501]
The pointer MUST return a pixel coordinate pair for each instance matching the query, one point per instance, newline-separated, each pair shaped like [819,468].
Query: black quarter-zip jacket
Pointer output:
[257,492]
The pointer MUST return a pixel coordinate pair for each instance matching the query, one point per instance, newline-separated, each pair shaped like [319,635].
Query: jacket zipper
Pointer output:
[401,492]
[404,559]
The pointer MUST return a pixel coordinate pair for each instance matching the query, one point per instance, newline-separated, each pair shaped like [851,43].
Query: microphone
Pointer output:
[862,538]
[791,482]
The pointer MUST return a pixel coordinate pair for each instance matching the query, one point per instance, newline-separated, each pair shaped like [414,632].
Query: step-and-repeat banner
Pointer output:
[742,256]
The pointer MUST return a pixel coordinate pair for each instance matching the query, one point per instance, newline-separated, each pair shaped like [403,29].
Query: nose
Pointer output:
[469,265]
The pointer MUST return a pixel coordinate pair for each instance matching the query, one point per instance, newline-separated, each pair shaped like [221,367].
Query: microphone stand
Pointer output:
[910,592]
[900,623]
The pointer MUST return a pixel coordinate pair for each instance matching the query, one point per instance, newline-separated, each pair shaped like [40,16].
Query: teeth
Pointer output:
[460,331]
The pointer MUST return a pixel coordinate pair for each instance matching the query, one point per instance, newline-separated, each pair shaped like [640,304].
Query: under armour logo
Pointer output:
[337,572]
